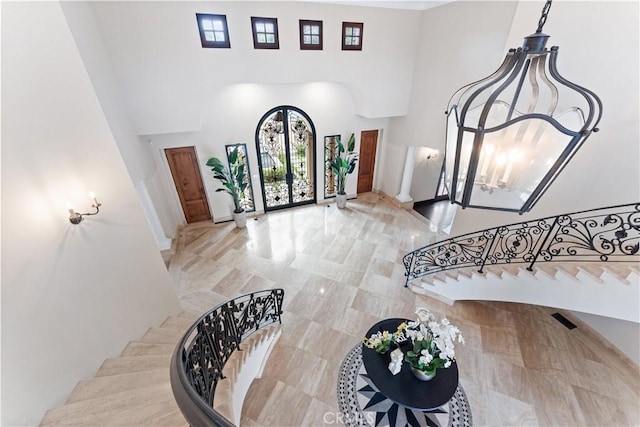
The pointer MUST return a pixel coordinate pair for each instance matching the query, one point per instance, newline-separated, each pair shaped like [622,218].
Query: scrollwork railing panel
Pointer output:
[205,348]
[602,236]
[453,253]
[606,234]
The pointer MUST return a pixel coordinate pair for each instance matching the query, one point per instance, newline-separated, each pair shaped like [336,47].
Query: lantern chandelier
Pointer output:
[506,142]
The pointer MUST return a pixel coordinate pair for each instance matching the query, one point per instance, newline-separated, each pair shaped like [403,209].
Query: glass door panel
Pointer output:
[286,142]
[273,161]
[301,155]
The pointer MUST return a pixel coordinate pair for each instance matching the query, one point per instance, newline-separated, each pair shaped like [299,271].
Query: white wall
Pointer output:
[232,116]
[135,151]
[623,334]
[178,94]
[459,42]
[79,17]
[426,173]
[599,49]
[72,295]
[168,79]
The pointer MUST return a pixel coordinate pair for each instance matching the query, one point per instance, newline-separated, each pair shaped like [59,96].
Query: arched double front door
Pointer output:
[286,146]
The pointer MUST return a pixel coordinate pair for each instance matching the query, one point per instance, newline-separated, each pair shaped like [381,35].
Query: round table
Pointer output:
[404,388]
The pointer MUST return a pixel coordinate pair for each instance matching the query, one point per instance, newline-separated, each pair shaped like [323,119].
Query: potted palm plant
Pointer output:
[234,182]
[342,166]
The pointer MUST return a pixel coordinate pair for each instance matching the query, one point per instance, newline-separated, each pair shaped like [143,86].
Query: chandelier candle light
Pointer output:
[506,140]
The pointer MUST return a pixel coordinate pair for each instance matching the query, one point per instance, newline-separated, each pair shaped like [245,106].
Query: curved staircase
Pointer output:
[586,261]
[576,287]
[131,389]
[134,388]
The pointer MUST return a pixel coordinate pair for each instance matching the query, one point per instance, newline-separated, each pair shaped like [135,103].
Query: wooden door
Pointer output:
[368,144]
[188,181]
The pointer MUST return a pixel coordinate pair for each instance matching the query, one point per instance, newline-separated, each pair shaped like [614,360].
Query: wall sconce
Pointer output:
[76,218]
[432,154]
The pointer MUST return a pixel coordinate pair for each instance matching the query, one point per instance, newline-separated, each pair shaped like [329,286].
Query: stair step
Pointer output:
[548,270]
[440,277]
[476,273]
[189,315]
[177,323]
[427,280]
[223,399]
[163,335]
[102,386]
[137,348]
[451,275]
[128,364]
[593,271]
[466,272]
[569,270]
[425,291]
[510,269]
[152,406]
[619,271]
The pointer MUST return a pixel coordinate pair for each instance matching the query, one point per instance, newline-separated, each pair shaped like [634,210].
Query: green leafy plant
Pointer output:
[233,179]
[344,163]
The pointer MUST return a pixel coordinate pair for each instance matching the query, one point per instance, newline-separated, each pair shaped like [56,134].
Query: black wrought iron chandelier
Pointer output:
[506,142]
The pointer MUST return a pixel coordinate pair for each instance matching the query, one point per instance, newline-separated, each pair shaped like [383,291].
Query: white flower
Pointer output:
[423,314]
[426,357]
[441,335]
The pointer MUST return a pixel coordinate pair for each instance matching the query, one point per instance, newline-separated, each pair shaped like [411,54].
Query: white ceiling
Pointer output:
[393,4]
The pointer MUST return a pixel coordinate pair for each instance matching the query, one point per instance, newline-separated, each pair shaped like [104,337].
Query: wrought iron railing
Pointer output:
[609,234]
[200,356]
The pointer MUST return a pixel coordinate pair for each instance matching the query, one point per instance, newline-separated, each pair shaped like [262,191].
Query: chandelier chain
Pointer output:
[543,18]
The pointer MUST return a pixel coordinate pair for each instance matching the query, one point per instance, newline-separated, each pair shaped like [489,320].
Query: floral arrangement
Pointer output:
[433,342]
[380,341]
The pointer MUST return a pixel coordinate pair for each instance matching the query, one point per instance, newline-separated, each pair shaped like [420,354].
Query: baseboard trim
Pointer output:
[408,206]
[600,339]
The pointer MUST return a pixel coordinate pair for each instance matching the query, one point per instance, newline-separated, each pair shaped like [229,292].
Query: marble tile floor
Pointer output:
[342,271]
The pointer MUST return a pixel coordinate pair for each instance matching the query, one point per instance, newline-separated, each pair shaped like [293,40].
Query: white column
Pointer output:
[150,213]
[407,176]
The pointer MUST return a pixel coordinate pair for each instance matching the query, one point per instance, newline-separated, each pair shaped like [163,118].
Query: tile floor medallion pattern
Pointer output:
[361,404]
[342,271]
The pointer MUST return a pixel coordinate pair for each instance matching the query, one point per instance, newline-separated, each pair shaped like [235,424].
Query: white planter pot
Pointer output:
[341,200]
[240,219]
[421,375]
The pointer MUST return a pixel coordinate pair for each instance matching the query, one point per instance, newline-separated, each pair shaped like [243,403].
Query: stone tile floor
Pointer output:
[342,271]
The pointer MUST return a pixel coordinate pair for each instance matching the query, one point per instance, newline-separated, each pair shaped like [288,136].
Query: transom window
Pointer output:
[310,35]
[265,33]
[213,30]
[352,35]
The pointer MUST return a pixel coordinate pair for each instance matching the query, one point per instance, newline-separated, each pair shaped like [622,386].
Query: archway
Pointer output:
[286,143]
